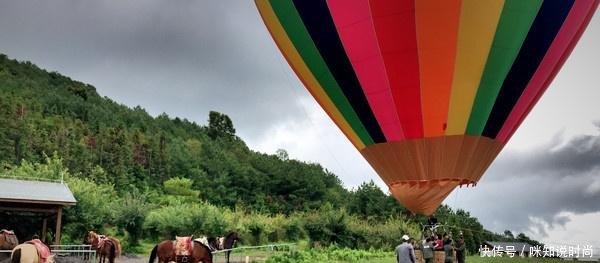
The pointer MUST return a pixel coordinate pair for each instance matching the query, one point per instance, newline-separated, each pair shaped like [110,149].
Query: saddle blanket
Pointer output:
[184,246]
[42,249]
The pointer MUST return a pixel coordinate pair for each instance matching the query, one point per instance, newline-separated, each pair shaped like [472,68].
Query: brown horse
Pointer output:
[8,240]
[166,252]
[107,247]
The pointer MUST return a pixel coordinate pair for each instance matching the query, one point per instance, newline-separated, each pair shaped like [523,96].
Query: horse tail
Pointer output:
[118,246]
[112,254]
[16,256]
[153,254]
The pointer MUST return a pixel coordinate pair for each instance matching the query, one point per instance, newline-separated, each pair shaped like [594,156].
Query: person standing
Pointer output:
[460,249]
[439,243]
[448,251]
[405,253]
[428,250]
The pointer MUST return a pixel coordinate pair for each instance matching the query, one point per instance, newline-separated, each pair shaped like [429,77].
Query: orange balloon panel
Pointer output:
[419,172]
[422,200]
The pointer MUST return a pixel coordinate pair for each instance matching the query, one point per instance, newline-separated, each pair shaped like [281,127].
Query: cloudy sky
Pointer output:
[188,57]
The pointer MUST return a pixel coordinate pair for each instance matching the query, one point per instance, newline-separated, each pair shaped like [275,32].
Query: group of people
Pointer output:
[405,252]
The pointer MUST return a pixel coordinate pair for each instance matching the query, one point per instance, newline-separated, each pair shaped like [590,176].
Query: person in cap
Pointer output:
[405,253]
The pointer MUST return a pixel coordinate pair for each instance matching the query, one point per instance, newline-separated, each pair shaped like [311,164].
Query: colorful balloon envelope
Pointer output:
[429,91]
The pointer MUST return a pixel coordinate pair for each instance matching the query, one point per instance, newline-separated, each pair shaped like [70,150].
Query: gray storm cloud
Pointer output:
[185,59]
[560,176]
[574,158]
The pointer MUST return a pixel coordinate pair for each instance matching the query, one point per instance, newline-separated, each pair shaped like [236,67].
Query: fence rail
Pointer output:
[249,254]
[64,253]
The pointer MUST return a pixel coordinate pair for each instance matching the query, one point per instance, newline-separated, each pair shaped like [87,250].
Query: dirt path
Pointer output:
[132,259]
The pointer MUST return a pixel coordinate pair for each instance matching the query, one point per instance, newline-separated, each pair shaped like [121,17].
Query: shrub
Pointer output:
[130,215]
[169,221]
[94,209]
[293,228]
[180,187]
[186,219]
[328,226]
[256,228]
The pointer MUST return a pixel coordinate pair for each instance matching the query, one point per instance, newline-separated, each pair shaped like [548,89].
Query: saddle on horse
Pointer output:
[7,232]
[8,239]
[104,240]
[184,248]
[42,249]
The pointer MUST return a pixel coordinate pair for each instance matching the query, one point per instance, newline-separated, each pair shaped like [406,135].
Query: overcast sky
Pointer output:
[187,57]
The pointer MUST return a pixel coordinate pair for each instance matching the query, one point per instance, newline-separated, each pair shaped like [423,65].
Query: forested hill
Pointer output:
[42,113]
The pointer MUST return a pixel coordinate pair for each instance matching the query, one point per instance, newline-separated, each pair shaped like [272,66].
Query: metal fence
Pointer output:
[252,253]
[5,256]
[63,254]
[73,253]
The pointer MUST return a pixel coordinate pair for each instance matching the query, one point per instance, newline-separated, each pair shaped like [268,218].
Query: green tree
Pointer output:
[524,238]
[282,154]
[509,234]
[220,125]
[130,215]
[368,201]
[94,209]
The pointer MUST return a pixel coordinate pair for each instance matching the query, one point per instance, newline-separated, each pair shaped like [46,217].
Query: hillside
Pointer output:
[44,113]
[156,167]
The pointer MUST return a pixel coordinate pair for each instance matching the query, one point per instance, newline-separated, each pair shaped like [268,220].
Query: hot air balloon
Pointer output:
[428,91]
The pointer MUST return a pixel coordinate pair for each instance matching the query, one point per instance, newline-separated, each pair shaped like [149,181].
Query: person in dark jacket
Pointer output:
[459,246]
[428,250]
[448,251]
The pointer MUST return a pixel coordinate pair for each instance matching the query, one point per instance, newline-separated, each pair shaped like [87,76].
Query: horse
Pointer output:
[8,240]
[168,250]
[228,242]
[210,242]
[213,243]
[107,247]
[33,251]
[221,243]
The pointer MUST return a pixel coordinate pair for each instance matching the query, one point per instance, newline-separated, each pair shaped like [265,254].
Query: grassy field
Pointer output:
[391,259]
[478,259]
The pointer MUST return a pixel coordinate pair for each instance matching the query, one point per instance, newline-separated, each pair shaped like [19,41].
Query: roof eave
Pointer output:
[43,202]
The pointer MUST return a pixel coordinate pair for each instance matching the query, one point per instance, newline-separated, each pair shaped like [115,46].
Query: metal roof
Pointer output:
[20,191]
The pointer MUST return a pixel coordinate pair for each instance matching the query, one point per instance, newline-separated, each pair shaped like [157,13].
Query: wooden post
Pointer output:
[44,228]
[58,225]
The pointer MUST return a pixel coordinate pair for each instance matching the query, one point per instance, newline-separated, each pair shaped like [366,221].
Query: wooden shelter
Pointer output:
[37,197]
